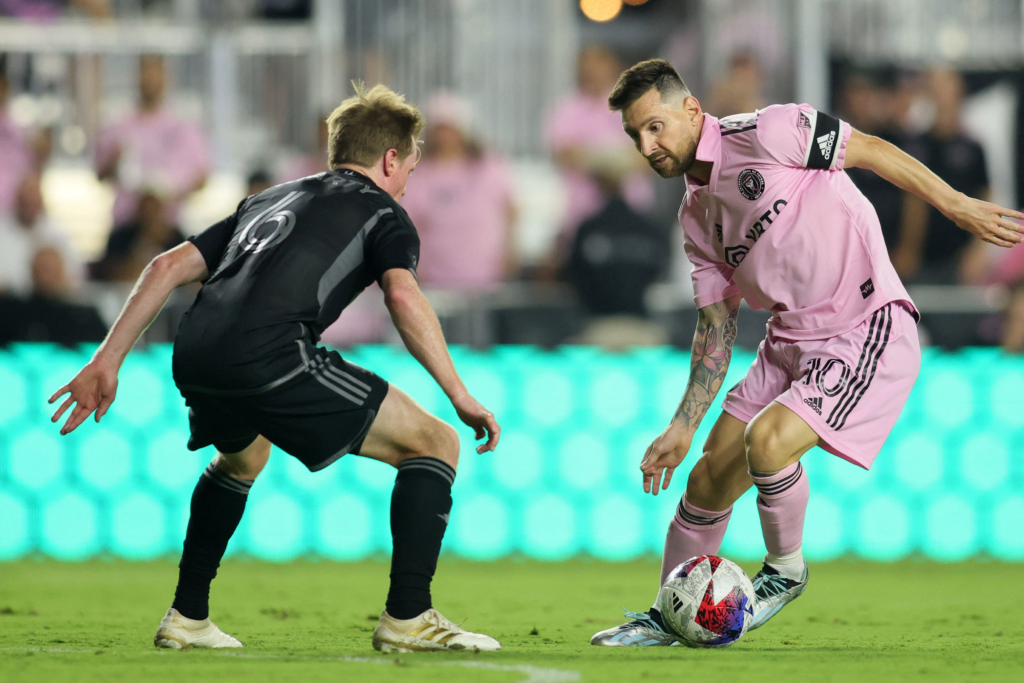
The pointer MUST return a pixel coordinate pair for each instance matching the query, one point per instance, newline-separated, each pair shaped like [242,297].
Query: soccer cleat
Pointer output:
[774,591]
[181,633]
[428,632]
[643,630]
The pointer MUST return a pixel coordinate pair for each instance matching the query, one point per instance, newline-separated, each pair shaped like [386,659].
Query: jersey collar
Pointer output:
[356,175]
[708,149]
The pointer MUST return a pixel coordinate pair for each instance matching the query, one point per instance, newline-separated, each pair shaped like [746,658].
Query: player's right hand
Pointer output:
[93,388]
[663,456]
[480,419]
[990,222]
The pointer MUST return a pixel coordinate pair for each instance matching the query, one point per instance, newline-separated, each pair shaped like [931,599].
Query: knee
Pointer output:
[245,465]
[439,440]
[700,483]
[447,444]
[248,468]
[763,445]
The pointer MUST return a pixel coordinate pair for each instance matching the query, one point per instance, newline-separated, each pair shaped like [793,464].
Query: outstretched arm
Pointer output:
[421,331]
[709,361]
[95,385]
[988,221]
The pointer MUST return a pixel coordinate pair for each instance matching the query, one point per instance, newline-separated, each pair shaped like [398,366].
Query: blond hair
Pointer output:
[368,124]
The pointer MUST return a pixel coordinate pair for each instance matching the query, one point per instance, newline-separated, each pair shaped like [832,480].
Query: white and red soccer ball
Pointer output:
[707,601]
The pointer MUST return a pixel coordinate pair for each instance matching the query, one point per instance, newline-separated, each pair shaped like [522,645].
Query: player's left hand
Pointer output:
[480,419]
[663,456]
[93,388]
[989,222]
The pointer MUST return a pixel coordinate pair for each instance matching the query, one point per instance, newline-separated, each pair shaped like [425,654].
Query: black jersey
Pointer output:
[282,268]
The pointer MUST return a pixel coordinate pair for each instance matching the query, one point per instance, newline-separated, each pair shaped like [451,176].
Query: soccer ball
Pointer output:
[707,601]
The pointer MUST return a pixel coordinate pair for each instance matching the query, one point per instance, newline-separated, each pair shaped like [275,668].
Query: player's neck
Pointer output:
[700,171]
[371,173]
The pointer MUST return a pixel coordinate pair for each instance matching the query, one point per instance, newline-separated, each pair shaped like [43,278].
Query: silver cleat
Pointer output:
[641,631]
[774,591]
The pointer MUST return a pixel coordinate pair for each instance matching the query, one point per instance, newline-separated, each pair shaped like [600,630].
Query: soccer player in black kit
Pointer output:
[275,274]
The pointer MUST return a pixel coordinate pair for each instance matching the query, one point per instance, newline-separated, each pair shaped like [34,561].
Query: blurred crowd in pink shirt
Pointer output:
[461,203]
[14,153]
[152,150]
[580,127]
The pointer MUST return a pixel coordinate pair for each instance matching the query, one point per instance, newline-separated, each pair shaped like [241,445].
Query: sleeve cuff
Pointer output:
[708,298]
[840,162]
[391,266]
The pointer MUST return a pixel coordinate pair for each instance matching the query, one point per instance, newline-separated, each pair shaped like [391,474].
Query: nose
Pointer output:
[647,145]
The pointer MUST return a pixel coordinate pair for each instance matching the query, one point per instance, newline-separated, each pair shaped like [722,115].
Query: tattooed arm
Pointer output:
[709,361]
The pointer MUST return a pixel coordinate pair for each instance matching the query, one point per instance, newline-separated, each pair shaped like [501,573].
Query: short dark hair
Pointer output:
[635,81]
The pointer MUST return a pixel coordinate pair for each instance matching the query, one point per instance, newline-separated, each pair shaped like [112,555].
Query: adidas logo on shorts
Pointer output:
[814,403]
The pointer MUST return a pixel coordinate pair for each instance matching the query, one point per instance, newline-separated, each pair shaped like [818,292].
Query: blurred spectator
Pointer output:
[15,152]
[315,161]
[41,145]
[258,181]
[871,108]
[581,126]
[616,255]
[460,200]
[54,9]
[1012,337]
[740,90]
[23,233]
[1008,272]
[152,148]
[931,248]
[46,315]
[287,10]
[132,246]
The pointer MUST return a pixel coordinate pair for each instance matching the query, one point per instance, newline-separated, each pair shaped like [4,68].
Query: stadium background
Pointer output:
[949,484]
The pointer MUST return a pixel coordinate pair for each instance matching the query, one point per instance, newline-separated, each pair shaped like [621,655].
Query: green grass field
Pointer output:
[311,621]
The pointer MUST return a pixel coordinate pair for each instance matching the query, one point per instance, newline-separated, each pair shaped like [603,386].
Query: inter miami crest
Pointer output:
[734,255]
[751,184]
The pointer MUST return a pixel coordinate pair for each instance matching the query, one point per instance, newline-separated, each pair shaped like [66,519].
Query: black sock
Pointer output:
[420,505]
[217,506]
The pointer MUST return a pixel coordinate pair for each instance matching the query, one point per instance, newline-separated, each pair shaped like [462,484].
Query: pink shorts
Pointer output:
[850,389]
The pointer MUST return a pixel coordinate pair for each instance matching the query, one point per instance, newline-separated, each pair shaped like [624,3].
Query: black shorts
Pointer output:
[321,412]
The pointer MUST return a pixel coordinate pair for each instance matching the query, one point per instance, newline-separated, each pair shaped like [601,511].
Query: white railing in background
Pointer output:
[963,32]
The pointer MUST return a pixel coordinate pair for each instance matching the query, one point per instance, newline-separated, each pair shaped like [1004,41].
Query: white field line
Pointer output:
[534,674]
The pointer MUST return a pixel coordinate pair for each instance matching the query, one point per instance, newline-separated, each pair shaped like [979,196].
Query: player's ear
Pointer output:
[391,162]
[692,108]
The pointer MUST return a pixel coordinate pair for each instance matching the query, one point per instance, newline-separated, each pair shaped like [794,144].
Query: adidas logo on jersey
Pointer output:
[814,403]
[825,143]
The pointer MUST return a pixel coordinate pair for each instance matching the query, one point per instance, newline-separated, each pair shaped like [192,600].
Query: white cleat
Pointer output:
[181,633]
[429,632]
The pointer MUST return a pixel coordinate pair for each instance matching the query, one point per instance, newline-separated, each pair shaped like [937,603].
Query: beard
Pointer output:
[676,163]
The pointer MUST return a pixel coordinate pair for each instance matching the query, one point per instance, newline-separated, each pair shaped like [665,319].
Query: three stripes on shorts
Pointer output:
[874,344]
[343,383]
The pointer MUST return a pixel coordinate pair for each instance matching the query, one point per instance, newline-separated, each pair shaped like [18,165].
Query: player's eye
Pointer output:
[655,128]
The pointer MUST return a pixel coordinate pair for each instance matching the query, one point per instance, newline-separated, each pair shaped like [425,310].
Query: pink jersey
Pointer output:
[582,121]
[16,161]
[159,152]
[461,211]
[781,224]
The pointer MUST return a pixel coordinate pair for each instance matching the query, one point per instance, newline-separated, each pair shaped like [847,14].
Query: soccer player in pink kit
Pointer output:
[770,216]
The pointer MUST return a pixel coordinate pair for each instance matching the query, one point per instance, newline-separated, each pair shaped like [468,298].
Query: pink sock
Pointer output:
[692,532]
[782,502]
